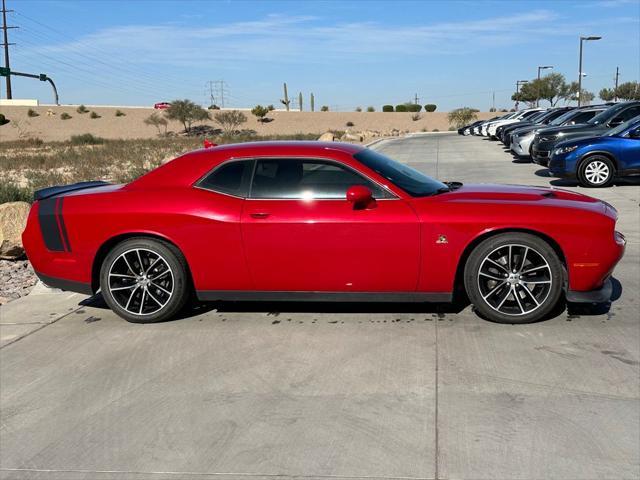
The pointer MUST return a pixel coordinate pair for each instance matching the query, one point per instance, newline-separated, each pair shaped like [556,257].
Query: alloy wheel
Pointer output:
[514,279]
[141,281]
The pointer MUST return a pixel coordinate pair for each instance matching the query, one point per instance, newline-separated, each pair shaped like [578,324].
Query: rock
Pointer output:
[326,137]
[13,219]
[17,279]
[351,137]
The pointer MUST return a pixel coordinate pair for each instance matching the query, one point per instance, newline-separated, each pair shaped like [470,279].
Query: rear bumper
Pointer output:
[64,284]
[601,295]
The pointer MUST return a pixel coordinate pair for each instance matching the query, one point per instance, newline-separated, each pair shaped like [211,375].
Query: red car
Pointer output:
[161,105]
[320,222]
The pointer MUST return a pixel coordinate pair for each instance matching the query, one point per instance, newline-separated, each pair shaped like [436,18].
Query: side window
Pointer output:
[306,179]
[625,115]
[232,178]
[584,117]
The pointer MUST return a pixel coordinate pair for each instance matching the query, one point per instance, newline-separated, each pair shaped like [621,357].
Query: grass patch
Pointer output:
[10,192]
[30,164]
[86,139]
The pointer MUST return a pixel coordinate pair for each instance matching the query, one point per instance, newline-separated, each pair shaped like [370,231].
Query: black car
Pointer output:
[546,139]
[544,119]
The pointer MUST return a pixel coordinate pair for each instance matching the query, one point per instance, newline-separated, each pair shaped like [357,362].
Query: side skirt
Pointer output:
[283,296]
[67,285]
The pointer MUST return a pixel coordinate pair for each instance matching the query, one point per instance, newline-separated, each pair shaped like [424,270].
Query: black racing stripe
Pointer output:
[49,225]
[63,228]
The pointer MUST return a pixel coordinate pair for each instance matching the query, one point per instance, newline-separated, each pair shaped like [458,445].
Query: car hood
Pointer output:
[582,140]
[521,194]
[524,130]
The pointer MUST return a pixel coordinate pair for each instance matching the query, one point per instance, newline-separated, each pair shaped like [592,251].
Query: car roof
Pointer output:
[305,146]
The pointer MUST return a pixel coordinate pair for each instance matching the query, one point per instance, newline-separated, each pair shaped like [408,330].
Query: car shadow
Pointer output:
[195,308]
[620,182]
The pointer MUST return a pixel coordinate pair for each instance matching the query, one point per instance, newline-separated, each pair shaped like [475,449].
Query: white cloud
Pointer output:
[301,39]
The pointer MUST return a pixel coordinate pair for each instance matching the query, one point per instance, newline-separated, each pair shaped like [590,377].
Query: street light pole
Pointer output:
[582,39]
[518,83]
[544,67]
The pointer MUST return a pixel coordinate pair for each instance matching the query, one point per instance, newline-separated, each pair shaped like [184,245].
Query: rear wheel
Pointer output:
[144,280]
[514,278]
[596,171]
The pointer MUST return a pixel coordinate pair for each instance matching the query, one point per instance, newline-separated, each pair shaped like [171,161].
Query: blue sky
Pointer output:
[348,53]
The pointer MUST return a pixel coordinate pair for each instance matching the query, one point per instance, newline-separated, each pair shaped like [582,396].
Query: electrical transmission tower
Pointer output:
[6,44]
[217,91]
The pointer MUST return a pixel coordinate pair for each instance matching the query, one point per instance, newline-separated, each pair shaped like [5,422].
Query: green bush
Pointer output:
[3,119]
[401,108]
[82,109]
[350,124]
[435,130]
[387,108]
[94,115]
[415,117]
[65,116]
[324,108]
[32,113]
[430,107]
[86,139]
[371,109]
[120,113]
[10,192]
[412,107]
[358,109]
[260,112]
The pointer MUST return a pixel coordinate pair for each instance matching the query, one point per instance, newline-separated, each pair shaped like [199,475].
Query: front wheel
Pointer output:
[514,278]
[144,280]
[596,171]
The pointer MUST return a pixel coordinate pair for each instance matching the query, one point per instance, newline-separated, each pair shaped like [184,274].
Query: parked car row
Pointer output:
[594,144]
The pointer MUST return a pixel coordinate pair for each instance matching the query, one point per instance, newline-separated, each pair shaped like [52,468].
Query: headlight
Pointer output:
[563,150]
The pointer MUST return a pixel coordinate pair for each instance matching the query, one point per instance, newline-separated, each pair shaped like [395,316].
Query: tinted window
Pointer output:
[232,178]
[530,114]
[412,181]
[306,179]
[628,114]
[584,117]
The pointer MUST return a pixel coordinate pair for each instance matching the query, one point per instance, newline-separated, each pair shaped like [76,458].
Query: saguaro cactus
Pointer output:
[285,101]
[300,100]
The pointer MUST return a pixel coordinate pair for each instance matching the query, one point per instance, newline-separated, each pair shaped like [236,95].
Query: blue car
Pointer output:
[597,161]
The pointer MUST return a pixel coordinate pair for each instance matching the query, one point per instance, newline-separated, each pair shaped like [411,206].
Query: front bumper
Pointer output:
[600,295]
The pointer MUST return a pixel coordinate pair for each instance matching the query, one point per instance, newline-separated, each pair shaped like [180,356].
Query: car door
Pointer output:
[629,151]
[301,234]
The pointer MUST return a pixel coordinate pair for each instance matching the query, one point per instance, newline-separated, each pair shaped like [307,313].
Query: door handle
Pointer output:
[259,215]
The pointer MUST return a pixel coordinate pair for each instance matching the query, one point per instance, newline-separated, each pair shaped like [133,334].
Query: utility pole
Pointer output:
[415,99]
[615,91]
[493,102]
[6,44]
[212,98]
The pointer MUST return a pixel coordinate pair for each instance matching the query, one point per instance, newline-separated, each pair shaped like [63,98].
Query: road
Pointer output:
[317,391]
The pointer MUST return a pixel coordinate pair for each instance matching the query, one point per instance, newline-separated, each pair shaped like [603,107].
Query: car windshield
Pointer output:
[412,181]
[538,116]
[623,126]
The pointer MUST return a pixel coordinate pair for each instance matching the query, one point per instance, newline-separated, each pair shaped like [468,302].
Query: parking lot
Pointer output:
[331,391]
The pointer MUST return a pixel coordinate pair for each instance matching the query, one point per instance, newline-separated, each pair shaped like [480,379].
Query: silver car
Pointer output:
[521,143]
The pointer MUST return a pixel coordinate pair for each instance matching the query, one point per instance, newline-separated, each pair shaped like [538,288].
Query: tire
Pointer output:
[492,293]
[130,290]
[596,171]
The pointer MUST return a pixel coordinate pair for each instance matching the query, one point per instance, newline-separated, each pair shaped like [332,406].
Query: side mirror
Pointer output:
[360,196]
[634,133]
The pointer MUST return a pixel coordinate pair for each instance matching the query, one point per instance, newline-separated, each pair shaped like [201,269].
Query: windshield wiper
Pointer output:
[453,185]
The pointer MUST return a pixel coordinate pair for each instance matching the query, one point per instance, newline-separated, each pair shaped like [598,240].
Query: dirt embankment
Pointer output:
[49,126]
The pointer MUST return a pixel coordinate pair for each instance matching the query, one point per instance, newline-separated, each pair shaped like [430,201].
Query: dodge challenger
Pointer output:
[312,221]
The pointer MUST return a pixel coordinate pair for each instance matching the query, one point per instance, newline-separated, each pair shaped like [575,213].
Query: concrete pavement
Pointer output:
[317,391]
